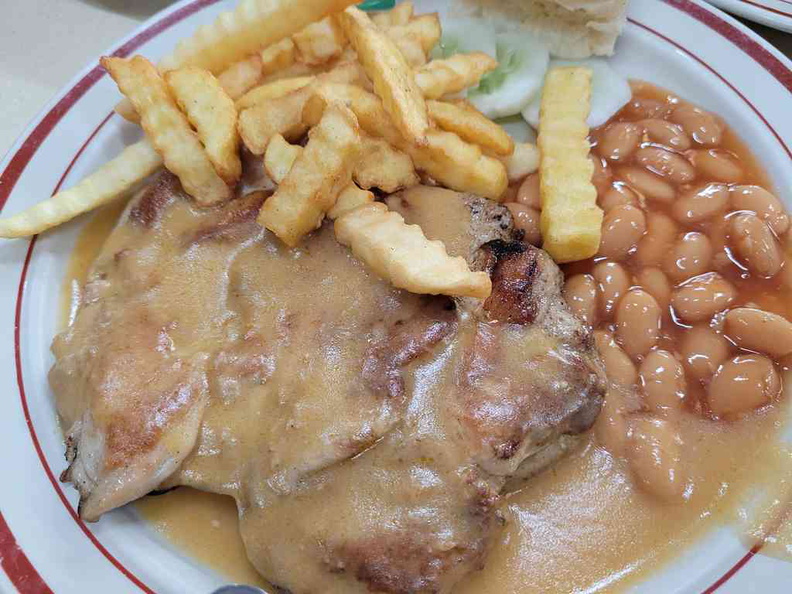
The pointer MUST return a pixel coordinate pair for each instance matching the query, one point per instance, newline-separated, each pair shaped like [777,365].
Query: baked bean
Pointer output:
[528,192]
[666,133]
[700,203]
[742,384]
[580,292]
[612,283]
[646,108]
[662,381]
[755,245]
[690,256]
[618,366]
[611,427]
[661,233]
[647,183]
[717,165]
[617,195]
[638,322]
[763,204]
[758,330]
[700,125]
[655,282]
[701,297]
[655,456]
[601,178]
[526,220]
[666,164]
[619,140]
[622,227]
[703,350]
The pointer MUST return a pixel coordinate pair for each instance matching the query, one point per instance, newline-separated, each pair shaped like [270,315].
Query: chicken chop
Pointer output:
[366,433]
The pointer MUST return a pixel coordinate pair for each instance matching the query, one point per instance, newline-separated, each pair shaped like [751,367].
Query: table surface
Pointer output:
[45,42]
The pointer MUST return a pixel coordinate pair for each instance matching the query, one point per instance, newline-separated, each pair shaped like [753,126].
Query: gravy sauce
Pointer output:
[582,525]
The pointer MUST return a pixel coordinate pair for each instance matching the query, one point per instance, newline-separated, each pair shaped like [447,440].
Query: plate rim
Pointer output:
[759,13]
[14,562]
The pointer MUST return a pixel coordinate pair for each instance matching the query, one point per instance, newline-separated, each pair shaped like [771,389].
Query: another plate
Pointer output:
[700,53]
[773,13]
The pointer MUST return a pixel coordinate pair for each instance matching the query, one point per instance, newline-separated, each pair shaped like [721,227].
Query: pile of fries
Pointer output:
[337,103]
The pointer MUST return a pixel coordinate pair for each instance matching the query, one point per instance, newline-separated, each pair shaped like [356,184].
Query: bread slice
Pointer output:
[571,29]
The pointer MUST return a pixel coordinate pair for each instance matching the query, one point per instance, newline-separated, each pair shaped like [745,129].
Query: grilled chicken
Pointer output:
[367,434]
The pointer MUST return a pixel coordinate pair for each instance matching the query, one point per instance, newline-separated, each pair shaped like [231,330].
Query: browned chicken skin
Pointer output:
[366,433]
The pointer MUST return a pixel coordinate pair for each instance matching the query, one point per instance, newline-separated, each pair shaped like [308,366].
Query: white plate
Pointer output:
[705,56]
[773,13]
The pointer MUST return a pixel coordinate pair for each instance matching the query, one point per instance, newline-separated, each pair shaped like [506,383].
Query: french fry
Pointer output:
[280,157]
[320,172]
[446,157]
[278,56]
[402,255]
[454,74]
[571,221]
[393,80]
[111,181]
[213,115]
[349,199]
[167,128]
[425,29]
[284,115]
[471,125]
[320,42]
[522,162]
[398,15]
[240,77]
[384,167]
[272,90]
[251,25]
[411,49]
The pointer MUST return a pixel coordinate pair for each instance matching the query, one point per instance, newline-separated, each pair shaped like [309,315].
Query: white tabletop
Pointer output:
[44,43]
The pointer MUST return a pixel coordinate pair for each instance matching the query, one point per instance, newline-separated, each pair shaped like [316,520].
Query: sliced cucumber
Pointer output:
[464,35]
[518,129]
[610,91]
[522,62]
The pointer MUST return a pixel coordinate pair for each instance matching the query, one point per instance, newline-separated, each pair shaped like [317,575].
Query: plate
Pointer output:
[773,13]
[683,45]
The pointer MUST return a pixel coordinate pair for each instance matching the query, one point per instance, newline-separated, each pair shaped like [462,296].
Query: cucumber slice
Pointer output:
[505,91]
[465,35]
[610,91]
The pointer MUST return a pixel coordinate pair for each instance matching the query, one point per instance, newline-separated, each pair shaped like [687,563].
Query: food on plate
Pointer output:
[211,112]
[108,183]
[322,169]
[470,125]
[403,255]
[393,79]
[167,128]
[362,334]
[571,220]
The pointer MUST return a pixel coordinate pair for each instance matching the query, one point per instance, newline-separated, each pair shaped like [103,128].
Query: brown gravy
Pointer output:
[580,526]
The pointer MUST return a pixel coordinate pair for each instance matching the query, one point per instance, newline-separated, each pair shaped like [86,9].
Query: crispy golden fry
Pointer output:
[522,162]
[251,25]
[402,255]
[111,181]
[284,115]
[280,157]
[454,74]
[349,199]
[272,90]
[398,15]
[240,77]
[321,171]
[411,49]
[211,112]
[126,110]
[446,157]
[167,128]
[384,167]
[425,29]
[278,56]
[471,125]
[394,81]
[320,42]
[571,221]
